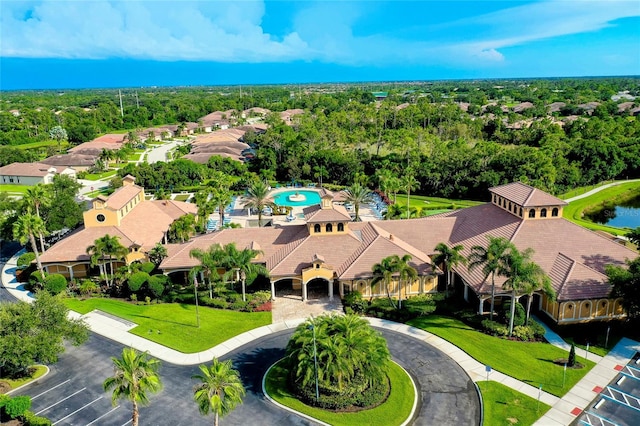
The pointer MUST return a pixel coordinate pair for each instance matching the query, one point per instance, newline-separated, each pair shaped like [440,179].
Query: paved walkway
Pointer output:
[563,411]
[600,188]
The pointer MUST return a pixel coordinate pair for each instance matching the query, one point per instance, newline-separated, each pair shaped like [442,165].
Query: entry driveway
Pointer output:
[72,393]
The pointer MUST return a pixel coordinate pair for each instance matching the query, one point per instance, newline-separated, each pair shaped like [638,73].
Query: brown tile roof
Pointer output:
[71,160]
[316,214]
[145,225]
[25,169]
[122,196]
[526,196]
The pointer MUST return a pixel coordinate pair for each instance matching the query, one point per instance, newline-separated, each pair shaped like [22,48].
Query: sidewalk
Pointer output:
[564,410]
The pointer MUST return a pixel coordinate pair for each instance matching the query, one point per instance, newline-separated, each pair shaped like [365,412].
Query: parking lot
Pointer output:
[72,394]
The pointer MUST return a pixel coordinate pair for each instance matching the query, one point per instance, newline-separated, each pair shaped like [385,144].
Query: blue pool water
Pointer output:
[312,197]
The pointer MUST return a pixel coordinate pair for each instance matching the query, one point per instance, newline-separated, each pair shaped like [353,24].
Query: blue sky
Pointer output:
[92,43]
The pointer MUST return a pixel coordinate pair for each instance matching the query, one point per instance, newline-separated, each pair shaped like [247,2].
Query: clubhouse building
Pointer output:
[330,255]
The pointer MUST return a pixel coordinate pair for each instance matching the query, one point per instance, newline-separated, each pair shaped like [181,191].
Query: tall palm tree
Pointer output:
[239,263]
[492,259]
[108,246]
[394,211]
[206,206]
[25,229]
[357,195]
[221,197]
[220,390]
[258,198]
[408,182]
[537,281]
[450,258]
[407,275]
[522,274]
[135,376]
[384,272]
[210,260]
[183,227]
[35,197]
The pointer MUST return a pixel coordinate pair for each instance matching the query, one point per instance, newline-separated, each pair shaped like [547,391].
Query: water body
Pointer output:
[625,215]
[311,198]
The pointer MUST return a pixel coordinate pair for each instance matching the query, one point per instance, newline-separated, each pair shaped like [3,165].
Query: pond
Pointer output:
[297,198]
[625,215]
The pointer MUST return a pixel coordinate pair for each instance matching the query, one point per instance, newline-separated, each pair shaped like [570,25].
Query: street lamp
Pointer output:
[315,358]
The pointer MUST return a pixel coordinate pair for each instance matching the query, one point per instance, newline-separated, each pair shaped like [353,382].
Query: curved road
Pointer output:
[72,392]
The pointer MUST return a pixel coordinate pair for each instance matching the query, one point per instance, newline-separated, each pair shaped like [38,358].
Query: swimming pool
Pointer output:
[311,198]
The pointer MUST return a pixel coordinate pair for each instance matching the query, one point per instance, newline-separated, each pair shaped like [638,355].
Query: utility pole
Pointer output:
[137,101]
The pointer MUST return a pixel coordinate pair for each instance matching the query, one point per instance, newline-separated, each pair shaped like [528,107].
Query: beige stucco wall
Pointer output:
[583,310]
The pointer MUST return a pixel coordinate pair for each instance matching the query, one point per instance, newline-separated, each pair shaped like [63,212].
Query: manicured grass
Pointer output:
[103,191]
[531,363]
[134,157]
[174,325]
[182,197]
[40,371]
[505,406]
[574,210]
[15,189]
[598,350]
[103,175]
[420,201]
[395,410]
[42,144]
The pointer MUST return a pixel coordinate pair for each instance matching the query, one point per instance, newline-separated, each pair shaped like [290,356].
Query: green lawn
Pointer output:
[529,362]
[394,411]
[43,144]
[174,325]
[40,371]
[182,197]
[574,210]
[434,202]
[103,175]
[14,189]
[505,406]
[104,191]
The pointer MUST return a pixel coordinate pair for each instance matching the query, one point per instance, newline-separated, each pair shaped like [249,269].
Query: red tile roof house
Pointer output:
[139,224]
[332,251]
[32,173]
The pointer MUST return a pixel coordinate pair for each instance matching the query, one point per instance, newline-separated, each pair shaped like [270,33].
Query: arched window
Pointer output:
[543,213]
[494,198]
[554,212]
[532,213]
[341,227]
[329,227]
[509,205]
[520,212]
[316,228]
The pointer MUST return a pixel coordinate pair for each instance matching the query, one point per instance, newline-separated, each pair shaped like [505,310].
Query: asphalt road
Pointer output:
[72,392]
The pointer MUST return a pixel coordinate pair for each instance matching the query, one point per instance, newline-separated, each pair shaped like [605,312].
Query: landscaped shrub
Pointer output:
[147,267]
[216,302]
[30,419]
[87,287]
[495,328]
[14,407]
[25,259]
[239,305]
[420,305]
[519,317]
[258,298]
[355,302]
[156,285]
[55,283]
[571,362]
[522,332]
[136,280]
[538,330]
[36,280]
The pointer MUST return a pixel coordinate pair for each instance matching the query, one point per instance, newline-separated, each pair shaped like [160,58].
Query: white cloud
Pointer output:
[232,31]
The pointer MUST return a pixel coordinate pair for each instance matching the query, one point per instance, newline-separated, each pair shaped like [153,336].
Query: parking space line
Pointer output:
[62,400]
[58,385]
[79,409]
[105,414]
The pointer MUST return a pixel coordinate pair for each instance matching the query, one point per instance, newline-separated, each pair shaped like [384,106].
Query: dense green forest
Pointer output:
[454,138]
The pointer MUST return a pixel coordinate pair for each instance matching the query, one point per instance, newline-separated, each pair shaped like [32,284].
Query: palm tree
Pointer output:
[210,261]
[239,263]
[258,198]
[450,258]
[394,211]
[357,195]
[408,274]
[522,274]
[492,259]
[409,182]
[538,281]
[221,197]
[206,206]
[157,254]
[384,271]
[134,377]
[183,227]
[220,390]
[25,229]
[109,247]
[37,196]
